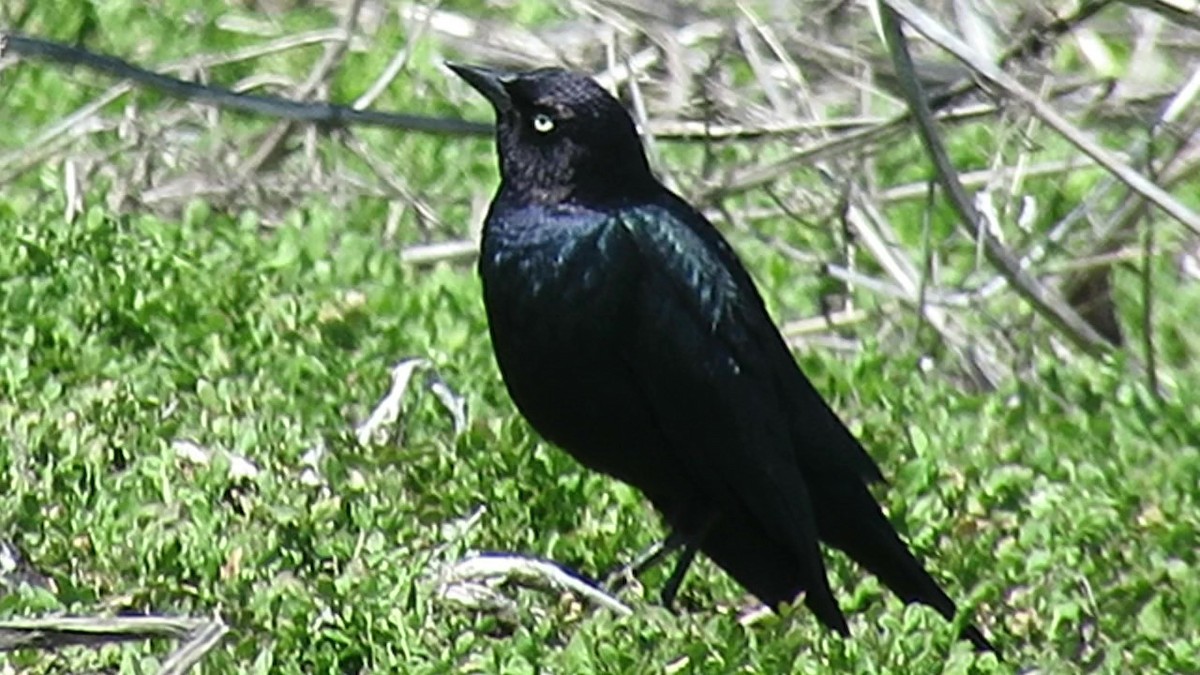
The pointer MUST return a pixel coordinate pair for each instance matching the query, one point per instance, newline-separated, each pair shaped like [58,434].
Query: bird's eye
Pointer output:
[542,123]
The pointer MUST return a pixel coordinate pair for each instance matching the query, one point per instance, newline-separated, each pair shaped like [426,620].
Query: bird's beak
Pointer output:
[488,82]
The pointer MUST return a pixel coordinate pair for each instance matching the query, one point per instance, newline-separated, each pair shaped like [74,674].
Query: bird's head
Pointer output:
[561,137]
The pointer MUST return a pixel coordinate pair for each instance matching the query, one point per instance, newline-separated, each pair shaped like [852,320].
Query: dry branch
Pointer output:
[492,569]
[197,637]
[273,106]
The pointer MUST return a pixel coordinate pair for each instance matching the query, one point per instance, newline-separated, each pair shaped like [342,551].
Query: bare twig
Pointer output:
[1182,12]
[200,642]
[395,65]
[376,427]
[197,636]
[334,52]
[444,251]
[869,225]
[816,324]
[274,106]
[491,569]
[1148,307]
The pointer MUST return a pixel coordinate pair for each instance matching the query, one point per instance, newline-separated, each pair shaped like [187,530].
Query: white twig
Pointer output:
[385,414]
[493,569]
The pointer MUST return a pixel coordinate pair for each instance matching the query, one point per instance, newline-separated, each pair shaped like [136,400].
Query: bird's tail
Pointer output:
[849,518]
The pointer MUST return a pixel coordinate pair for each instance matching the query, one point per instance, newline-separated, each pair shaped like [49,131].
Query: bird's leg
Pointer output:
[647,559]
[671,588]
[690,543]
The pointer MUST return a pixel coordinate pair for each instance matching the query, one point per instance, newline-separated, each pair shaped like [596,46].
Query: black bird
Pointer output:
[628,333]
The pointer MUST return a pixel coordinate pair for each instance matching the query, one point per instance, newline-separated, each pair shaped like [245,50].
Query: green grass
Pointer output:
[1069,498]
[1062,505]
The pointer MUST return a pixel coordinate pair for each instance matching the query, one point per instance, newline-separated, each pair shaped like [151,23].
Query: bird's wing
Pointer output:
[695,359]
[692,258]
[692,358]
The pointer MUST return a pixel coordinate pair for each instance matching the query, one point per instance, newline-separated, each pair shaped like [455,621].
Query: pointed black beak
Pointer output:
[486,81]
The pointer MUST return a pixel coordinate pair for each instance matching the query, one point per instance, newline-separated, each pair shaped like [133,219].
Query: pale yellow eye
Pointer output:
[542,123]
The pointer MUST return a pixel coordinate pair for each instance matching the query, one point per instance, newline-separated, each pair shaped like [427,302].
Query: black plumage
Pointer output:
[628,333]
